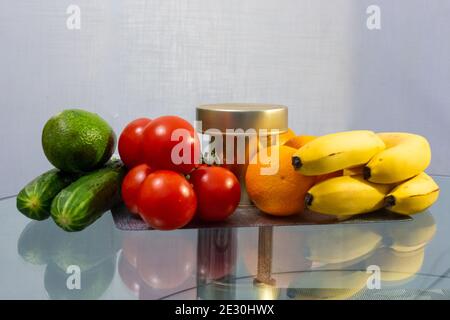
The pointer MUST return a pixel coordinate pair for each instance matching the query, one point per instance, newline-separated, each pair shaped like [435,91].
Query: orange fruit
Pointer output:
[299,141]
[279,194]
[284,137]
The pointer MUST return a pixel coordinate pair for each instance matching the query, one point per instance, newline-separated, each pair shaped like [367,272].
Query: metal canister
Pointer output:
[242,123]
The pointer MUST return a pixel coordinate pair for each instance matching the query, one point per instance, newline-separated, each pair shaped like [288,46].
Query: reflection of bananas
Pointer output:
[414,195]
[327,285]
[339,244]
[337,151]
[412,235]
[346,195]
[406,155]
[397,266]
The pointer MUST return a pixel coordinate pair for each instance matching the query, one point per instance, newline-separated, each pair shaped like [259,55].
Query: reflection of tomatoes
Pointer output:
[132,184]
[130,246]
[130,142]
[218,192]
[217,252]
[129,275]
[166,200]
[166,260]
[165,140]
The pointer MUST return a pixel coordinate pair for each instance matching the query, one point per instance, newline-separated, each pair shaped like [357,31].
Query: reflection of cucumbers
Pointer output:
[85,200]
[93,282]
[86,248]
[35,199]
[36,241]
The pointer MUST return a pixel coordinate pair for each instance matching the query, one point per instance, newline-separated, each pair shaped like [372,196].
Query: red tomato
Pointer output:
[166,200]
[164,146]
[132,184]
[130,142]
[218,192]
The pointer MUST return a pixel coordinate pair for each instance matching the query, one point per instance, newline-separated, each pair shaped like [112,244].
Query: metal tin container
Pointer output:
[237,128]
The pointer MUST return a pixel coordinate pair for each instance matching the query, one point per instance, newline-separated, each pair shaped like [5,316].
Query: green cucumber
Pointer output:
[35,199]
[85,200]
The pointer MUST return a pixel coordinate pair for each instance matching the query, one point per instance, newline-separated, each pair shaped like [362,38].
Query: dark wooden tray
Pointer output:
[252,217]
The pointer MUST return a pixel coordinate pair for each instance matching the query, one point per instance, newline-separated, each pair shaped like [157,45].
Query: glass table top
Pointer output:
[387,260]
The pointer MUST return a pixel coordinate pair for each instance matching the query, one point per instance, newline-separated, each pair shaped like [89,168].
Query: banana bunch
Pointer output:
[379,170]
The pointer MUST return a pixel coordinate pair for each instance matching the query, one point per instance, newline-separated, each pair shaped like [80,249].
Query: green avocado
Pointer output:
[78,141]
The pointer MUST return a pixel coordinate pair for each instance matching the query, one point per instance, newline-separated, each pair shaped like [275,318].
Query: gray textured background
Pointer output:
[147,58]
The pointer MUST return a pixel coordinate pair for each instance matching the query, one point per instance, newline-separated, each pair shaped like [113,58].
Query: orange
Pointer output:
[299,141]
[279,194]
[284,137]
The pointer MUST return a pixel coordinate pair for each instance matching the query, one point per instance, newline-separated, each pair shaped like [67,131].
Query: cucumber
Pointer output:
[85,200]
[35,199]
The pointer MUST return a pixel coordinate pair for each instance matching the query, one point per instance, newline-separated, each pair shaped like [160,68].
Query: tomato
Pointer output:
[162,139]
[130,142]
[132,184]
[218,192]
[166,200]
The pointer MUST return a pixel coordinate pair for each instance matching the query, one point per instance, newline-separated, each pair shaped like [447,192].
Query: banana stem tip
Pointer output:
[308,199]
[296,162]
[389,201]
[366,173]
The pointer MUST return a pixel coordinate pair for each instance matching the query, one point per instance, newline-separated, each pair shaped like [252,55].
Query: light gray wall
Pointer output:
[148,58]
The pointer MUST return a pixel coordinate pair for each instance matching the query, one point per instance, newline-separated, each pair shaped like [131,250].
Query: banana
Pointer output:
[406,155]
[353,171]
[346,195]
[413,196]
[337,151]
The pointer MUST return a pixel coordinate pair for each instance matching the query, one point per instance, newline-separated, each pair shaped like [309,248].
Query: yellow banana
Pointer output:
[337,151]
[353,171]
[346,195]
[413,196]
[406,155]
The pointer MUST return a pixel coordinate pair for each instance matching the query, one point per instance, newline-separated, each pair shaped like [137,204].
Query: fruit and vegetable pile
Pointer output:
[341,174]
[86,182]
[347,173]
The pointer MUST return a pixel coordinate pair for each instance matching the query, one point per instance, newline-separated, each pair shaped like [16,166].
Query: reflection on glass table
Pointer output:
[389,260]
